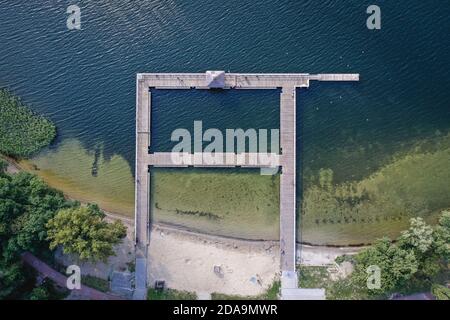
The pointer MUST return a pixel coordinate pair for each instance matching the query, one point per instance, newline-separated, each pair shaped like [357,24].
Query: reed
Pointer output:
[22,133]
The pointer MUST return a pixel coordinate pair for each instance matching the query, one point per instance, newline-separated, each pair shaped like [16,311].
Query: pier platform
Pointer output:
[289,83]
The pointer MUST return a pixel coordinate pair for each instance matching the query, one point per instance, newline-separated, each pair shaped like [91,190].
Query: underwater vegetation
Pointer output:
[22,133]
[413,184]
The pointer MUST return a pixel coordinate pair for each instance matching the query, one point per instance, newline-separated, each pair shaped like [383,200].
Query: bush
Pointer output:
[170,294]
[96,283]
[39,293]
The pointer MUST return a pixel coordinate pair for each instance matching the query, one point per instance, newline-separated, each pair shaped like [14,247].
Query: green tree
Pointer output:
[421,239]
[12,277]
[84,231]
[440,292]
[442,236]
[418,259]
[26,205]
[418,237]
[397,266]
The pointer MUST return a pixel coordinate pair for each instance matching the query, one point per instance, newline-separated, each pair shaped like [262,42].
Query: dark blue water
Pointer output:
[85,80]
[229,109]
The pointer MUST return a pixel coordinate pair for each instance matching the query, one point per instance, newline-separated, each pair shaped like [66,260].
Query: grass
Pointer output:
[312,277]
[95,283]
[170,294]
[270,294]
[22,133]
[318,277]
[345,289]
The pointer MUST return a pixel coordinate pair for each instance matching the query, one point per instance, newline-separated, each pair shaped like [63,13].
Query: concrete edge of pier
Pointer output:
[288,82]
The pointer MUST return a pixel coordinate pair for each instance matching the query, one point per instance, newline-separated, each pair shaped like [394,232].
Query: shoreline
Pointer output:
[187,260]
[16,167]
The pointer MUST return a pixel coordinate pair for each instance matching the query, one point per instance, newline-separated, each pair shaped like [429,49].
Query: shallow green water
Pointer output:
[70,168]
[242,204]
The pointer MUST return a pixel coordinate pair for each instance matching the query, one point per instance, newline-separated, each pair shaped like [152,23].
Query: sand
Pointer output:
[186,261]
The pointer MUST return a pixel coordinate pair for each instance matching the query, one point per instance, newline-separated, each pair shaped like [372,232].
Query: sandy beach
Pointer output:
[186,262]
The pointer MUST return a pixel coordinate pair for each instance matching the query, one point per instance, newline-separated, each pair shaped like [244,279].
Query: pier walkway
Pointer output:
[286,160]
[207,159]
[239,80]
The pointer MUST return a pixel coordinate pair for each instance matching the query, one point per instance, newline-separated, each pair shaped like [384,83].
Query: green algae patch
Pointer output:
[87,176]
[235,203]
[22,133]
[357,212]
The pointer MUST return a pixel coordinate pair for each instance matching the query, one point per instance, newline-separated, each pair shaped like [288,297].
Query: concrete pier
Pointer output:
[287,179]
[286,160]
[240,80]
[142,186]
[231,160]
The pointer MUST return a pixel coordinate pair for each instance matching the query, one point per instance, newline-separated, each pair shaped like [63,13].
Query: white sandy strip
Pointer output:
[186,262]
[320,255]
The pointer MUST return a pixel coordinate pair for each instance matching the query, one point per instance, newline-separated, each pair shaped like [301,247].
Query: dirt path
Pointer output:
[84,293]
[12,165]
[321,255]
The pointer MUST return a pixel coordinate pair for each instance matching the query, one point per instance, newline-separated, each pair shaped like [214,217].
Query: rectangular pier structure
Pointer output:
[286,160]
[287,179]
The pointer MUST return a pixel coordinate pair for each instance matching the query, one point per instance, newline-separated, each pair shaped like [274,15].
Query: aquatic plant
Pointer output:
[22,133]
[359,211]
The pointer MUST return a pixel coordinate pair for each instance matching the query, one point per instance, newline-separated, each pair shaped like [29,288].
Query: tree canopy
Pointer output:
[413,262]
[27,205]
[84,231]
[441,292]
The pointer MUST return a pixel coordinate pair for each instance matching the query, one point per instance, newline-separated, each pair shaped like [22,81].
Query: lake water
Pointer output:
[85,81]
